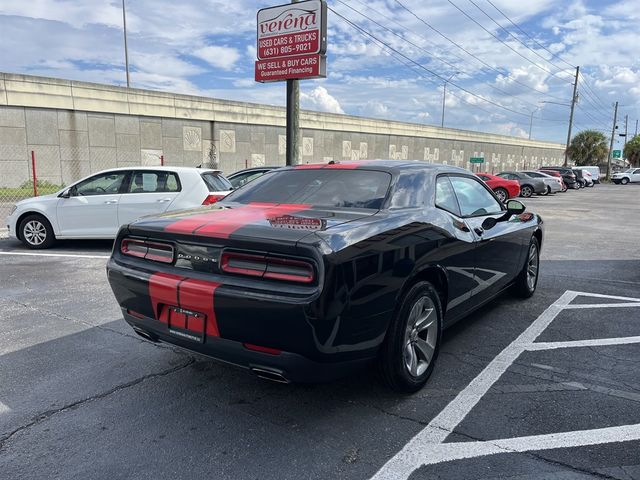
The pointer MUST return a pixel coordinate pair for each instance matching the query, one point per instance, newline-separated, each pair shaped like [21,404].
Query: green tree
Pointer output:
[588,147]
[632,151]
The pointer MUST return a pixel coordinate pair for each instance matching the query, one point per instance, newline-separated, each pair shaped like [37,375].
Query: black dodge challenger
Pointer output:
[312,272]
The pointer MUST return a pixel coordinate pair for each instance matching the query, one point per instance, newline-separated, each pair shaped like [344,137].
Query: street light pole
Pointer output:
[444,97]
[293,120]
[531,121]
[126,51]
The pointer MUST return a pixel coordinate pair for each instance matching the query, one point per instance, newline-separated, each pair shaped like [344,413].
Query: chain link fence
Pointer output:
[42,173]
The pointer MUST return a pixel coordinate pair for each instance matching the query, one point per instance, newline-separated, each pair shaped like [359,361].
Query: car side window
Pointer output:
[103,184]
[474,199]
[483,177]
[153,182]
[445,198]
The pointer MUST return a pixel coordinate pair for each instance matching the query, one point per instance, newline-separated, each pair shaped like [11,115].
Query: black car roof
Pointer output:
[394,166]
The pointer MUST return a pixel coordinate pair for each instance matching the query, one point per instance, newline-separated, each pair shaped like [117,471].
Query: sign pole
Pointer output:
[293,119]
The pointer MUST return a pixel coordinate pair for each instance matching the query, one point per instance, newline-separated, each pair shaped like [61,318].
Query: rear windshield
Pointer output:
[215,182]
[324,188]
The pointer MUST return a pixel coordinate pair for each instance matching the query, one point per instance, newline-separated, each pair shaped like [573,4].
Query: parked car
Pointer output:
[594,171]
[503,188]
[580,178]
[96,206]
[554,184]
[283,276]
[628,176]
[528,185]
[241,177]
[568,176]
[553,173]
[588,179]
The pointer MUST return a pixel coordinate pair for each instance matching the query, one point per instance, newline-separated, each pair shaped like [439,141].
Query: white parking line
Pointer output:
[4,408]
[427,446]
[64,255]
[598,342]
[602,305]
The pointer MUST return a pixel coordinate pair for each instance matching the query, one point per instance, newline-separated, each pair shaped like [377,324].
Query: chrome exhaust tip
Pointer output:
[145,335]
[268,374]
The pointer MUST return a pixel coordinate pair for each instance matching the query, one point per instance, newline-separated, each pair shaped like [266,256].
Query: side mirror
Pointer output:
[66,193]
[515,207]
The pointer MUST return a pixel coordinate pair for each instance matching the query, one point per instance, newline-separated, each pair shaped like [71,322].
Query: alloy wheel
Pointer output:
[501,195]
[421,336]
[526,192]
[35,233]
[533,263]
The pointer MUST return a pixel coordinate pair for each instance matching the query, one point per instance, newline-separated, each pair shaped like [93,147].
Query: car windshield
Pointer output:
[216,182]
[326,188]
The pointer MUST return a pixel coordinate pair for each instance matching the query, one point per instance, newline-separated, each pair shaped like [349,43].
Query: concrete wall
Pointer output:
[76,128]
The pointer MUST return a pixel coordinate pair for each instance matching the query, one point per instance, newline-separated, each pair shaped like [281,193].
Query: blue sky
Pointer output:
[208,48]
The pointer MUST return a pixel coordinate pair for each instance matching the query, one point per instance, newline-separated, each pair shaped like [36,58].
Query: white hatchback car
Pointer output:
[96,206]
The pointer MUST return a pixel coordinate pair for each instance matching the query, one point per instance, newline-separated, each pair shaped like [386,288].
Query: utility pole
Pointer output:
[293,119]
[636,128]
[126,51]
[531,121]
[613,133]
[573,105]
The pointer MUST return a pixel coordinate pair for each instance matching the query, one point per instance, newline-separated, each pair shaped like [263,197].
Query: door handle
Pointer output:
[479,230]
[163,200]
[110,202]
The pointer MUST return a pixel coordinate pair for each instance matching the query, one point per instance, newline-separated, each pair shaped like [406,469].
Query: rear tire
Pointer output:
[526,191]
[502,194]
[527,280]
[36,232]
[412,343]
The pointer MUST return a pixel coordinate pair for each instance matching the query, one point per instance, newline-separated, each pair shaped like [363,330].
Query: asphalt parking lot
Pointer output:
[547,388]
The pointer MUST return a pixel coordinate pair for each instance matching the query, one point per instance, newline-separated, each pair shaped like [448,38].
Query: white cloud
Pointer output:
[218,56]
[320,99]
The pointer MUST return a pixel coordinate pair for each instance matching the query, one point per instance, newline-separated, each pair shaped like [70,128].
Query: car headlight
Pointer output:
[13,209]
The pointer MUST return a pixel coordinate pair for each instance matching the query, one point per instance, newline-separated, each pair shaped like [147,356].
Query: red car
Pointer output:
[504,189]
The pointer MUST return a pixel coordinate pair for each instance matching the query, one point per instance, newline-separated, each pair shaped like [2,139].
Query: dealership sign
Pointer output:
[292,41]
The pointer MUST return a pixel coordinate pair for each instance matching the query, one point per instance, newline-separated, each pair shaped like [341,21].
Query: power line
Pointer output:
[555,74]
[516,38]
[503,92]
[506,74]
[389,47]
[553,55]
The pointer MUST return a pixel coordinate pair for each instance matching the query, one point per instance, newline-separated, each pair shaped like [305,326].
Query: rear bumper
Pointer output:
[287,366]
[293,336]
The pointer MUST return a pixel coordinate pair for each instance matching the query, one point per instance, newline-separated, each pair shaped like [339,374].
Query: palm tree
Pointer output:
[632,151]
[588,147]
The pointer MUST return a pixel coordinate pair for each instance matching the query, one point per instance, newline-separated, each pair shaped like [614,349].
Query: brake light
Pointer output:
[155,251]
[211,199]
[258,348]
[274,268]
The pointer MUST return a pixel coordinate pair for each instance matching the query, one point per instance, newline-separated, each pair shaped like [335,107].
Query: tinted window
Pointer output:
[103,184]
[152,182]
[445,198]
[326,188]
[243,178]
[484,177]
[534,174]
[409,190]
[473,198]
[216,182]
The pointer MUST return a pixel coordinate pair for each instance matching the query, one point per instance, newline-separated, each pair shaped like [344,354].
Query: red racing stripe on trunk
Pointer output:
[228,221]
[198,295]
[163,291]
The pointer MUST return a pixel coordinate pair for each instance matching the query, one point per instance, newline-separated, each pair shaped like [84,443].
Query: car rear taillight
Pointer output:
[211,199]
[263,266]
[155,251]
